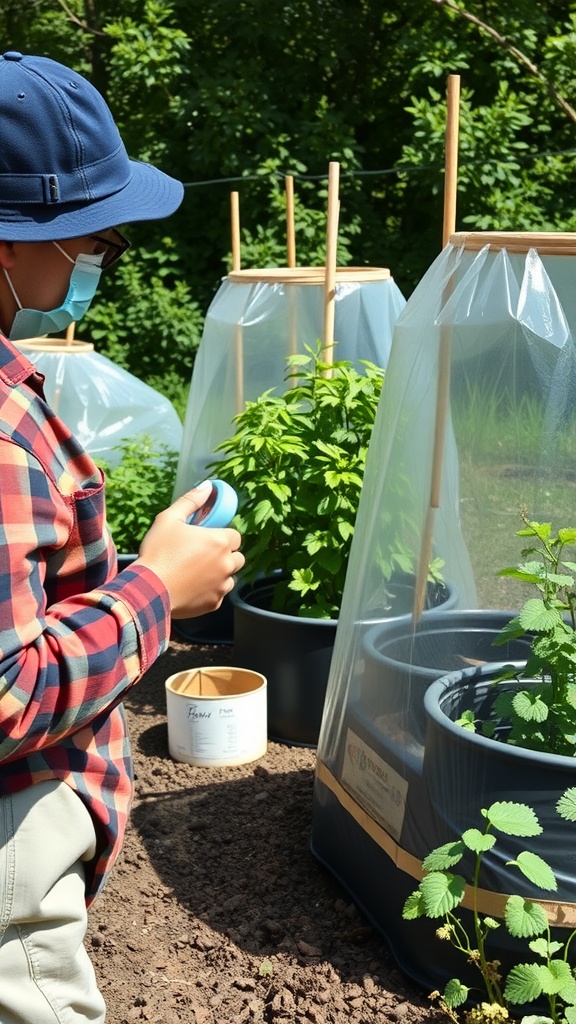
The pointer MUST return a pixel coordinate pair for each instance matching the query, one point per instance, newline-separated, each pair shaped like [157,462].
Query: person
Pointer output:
[75,635]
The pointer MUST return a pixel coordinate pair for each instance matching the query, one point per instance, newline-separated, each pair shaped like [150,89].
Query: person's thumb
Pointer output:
[192,500]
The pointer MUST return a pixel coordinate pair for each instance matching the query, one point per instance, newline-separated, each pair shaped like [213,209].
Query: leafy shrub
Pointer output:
[297,462]
[138,488]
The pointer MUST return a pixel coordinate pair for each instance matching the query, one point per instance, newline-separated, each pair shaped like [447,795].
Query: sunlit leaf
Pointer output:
[524,918]
[514,819]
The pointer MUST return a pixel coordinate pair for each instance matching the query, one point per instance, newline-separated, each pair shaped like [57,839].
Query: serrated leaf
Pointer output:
[477,841]
[566,805]
[491,923]
[544,948]
[536,870]
[537,617]
[523,984]
[262,511]
[567,535]
[524,918]
[513,819]
[529,706]
[441,892]
[414,906]
[555,976]
[443,857]
[455,993]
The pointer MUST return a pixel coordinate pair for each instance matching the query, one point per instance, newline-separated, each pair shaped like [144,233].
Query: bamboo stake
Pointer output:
[238,339]
[451,158]
[331,248]
[444,352]
[291,263]
[290,233]
[70,332]
[235,223]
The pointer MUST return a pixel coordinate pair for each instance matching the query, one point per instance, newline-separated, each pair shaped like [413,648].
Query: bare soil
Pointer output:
[217,913]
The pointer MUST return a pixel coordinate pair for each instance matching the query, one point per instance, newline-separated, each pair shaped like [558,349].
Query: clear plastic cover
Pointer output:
[255,321]
[477,420]
[100,402]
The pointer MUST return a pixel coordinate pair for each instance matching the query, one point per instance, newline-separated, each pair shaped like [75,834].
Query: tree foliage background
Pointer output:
[236,94]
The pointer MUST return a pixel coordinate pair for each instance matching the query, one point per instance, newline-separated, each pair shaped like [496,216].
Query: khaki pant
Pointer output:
[45,974]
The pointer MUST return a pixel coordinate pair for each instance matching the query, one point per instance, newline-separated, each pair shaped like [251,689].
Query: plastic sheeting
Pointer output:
[481,383]
[257,319]
[100,402]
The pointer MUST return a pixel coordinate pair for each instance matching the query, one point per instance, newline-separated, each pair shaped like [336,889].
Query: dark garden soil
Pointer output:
[216,912]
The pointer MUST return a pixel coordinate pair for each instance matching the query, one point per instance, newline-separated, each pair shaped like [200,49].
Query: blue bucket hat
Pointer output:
[64,170]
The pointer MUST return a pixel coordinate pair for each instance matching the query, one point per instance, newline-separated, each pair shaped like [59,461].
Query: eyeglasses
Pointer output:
[111,249]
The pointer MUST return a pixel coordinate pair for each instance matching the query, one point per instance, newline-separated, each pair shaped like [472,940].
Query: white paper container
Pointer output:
[216,716]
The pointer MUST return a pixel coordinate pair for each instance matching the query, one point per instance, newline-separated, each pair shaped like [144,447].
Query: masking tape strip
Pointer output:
[560,915]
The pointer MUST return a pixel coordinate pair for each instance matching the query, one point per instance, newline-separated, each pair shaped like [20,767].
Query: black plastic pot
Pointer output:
[293,653]
[465,771]
[403,658]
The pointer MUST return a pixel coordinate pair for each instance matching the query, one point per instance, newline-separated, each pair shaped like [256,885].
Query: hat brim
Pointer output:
[149,195]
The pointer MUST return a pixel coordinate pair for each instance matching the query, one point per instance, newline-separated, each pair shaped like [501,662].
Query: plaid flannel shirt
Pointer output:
[74,635]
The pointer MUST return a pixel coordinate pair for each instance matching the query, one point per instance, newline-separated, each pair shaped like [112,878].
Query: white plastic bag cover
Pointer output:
[257,319]
[100,402]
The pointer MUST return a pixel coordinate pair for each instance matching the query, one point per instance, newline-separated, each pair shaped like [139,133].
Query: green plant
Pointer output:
[297,461]
[541,716]
[137,488]
[548,976]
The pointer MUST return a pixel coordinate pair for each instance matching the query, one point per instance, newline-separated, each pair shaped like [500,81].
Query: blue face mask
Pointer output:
[35,323]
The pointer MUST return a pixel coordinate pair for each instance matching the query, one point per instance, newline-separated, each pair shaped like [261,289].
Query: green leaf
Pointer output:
[491,923]
[555,977]
[263,511]
[478,841]
[536,870]
[455,993]
[414,906]
[566,805]
[467,720]
[524,918]
[544,948]
[529,706]
[523,984]
[514,819]
[441,892]
[537,617]
[444,856]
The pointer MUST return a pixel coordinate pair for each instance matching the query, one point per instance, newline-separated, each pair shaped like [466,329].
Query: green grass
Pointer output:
[510,458]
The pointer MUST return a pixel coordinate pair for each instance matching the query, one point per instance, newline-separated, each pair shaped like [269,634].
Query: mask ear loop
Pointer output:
[12,288]
[64,253]
[93,259]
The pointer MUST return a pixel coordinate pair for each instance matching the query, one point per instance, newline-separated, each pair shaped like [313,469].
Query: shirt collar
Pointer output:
[16,368]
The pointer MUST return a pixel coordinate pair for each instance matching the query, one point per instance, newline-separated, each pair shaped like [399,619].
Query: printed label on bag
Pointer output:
[379,789]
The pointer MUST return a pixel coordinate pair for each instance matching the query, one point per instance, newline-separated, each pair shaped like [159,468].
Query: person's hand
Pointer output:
[196,564]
